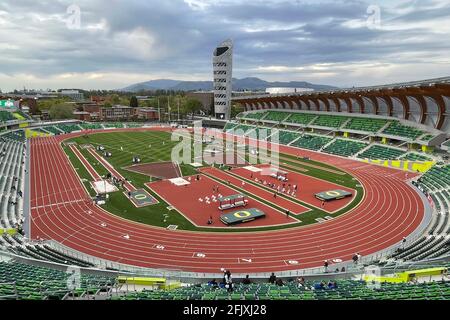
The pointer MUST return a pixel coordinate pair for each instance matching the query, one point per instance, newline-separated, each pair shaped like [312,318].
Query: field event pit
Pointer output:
[196,164]
[162,170]
[103,186]
[333,195]
[179,182]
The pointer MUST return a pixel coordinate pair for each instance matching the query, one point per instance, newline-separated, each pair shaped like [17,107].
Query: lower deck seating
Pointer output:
[18,135]
[378,152]
[436,184]
[415,157]
[254,115]
[91,126]
[263,133]
[229,126]
[310,290]
[301,118]
[117,125]
[366,124]
[312,142]
[345,148]
[287,137]
[53,129]
[68,128]
[329,121]
[436,178]
[243,129]
[134,125]
[12,159]
[400,130]
[27,282]
[277,116]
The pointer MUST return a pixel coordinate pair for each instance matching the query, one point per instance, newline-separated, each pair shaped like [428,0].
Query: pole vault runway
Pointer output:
[61,210]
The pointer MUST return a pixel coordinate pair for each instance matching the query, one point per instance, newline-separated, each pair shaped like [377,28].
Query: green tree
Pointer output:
[115,99]
[236,108]
[191,106]
[134,102]
[47,104]
[61,111]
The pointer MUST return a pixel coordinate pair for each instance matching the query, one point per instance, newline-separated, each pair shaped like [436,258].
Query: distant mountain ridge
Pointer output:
[252,84]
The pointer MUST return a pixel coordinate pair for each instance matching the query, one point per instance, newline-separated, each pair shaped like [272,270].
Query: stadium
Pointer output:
[357,186]
[229,191]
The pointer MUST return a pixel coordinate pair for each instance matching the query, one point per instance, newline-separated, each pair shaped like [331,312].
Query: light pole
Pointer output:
[178,109]
[159,112]
[168,105]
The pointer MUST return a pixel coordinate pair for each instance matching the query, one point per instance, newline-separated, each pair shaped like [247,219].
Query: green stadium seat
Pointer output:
[366,124]
[311,142]
[300,118]
[329,121]
[378,152]
[397,129]
[345,148]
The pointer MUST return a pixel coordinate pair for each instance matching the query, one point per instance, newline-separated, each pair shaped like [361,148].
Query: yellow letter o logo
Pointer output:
[242,214]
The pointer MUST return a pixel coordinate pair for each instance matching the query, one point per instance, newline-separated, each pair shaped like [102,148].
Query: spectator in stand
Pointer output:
[319,286]
[246,280]
[332,285]
[272,278]
[228,281]
[301,282]
[279,282]
[213,283]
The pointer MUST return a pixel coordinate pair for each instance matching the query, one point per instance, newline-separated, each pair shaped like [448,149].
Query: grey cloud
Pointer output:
[293,33]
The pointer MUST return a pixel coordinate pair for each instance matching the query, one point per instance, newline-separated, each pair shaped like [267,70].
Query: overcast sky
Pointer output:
[114,43]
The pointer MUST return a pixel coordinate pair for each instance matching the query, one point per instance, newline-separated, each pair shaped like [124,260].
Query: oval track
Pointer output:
[61,211]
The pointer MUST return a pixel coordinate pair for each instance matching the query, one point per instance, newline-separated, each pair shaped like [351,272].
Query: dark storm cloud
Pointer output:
[155,38]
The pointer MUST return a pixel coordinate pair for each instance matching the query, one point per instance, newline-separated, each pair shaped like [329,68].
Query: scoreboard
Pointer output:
[7,103]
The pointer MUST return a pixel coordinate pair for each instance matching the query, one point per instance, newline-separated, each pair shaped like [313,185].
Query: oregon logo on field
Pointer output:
[242,216]
[333,195]
[141,198]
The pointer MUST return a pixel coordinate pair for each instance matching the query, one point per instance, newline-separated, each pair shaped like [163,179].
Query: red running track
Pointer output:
[389,211]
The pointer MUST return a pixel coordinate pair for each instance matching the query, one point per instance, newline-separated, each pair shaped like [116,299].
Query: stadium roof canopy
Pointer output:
[426,102]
